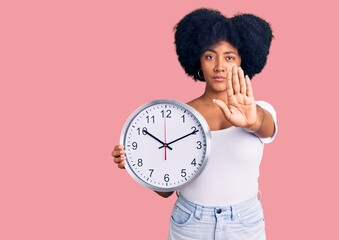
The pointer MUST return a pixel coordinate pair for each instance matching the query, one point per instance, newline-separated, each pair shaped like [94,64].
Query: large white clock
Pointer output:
[167,144]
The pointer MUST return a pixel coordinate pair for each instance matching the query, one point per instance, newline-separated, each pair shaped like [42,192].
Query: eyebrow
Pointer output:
[228,52]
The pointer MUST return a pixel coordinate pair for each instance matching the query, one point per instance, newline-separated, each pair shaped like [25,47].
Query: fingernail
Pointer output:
[213,100]
[121,152]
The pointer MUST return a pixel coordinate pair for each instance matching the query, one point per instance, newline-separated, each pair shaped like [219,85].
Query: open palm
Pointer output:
[241,108]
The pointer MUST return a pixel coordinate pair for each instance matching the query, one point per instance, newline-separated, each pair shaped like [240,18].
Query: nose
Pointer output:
[219,66]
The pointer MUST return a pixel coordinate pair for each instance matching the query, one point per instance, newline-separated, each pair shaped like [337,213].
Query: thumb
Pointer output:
[224,108]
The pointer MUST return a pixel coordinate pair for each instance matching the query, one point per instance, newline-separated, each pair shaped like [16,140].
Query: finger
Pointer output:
[223,107]
[249,91]
[229,87]
[235,79]
[117,153]
[242,81]
[119,159]
[122,165]
[119,147]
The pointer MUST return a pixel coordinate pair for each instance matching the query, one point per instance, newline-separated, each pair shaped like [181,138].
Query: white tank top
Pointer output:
[232,171]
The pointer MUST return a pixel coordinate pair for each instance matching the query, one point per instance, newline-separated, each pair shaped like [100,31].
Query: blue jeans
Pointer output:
[244,221]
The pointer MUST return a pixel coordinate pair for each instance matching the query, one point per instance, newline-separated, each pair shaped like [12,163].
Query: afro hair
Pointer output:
[202,28]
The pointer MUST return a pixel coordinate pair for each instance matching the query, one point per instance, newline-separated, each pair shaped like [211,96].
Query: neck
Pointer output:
[208,96]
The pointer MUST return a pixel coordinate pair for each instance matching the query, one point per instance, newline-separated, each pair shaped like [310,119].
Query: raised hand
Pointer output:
[240,108]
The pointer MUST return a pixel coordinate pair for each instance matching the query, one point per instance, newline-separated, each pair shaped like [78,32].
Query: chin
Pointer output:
[220,89]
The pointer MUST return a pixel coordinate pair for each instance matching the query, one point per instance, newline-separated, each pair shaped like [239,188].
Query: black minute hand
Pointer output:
[194,132]
[163,144]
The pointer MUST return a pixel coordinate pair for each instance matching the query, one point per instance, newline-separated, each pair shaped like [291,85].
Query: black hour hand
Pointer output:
[163,144]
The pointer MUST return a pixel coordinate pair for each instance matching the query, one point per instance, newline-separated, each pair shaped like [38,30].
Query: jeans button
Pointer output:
[219,211]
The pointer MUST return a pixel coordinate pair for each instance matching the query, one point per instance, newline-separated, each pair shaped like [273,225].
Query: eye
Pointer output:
[209,57]
[229,58]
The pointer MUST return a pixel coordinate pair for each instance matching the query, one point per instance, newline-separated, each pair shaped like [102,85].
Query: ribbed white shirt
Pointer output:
[232,171]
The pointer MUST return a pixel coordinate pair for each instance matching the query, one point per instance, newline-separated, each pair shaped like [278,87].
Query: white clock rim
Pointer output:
[205,128]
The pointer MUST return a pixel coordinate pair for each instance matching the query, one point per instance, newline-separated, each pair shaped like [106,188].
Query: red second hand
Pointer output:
[165,133]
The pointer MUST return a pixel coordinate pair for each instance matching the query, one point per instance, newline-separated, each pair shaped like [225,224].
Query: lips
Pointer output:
[219,78]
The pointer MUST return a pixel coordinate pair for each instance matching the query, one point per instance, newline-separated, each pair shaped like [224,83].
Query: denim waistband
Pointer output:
[234,211]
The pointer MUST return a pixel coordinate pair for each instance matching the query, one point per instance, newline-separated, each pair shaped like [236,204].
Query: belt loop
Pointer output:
[177,193]
[198,212]
[232,213]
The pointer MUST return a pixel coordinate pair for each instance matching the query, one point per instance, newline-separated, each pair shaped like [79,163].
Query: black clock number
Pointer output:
[166,177]
[134,145]
[143,131]
[183,118]
[194,162]
[194,128]
[183,172]
[150,119]
[151,172]
[140,163]
[168,113]
[199,145]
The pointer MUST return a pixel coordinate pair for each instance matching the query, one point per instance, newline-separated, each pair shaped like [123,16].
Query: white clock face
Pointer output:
[167,144]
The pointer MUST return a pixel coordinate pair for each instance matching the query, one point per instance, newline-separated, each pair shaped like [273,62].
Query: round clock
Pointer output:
[167,144]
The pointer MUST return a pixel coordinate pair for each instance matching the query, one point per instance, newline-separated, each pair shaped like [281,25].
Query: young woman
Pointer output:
[225,53]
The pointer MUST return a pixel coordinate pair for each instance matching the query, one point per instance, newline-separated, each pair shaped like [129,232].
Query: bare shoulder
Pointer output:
[195,103]
[199,105]
[212,114]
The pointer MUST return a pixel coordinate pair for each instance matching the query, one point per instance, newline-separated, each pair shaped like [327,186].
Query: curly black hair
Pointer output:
[202,28]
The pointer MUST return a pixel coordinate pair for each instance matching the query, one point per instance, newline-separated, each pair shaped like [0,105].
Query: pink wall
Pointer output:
[71,73]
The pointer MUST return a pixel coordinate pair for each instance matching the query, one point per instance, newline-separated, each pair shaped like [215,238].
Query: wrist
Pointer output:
[258,123]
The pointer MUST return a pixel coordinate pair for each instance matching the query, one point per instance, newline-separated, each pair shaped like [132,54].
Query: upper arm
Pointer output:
[269,129]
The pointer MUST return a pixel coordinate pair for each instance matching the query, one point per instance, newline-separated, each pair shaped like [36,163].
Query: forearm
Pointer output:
[264,126]
[164,194]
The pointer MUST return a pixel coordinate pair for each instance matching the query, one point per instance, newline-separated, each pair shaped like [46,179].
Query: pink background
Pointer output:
[71,73]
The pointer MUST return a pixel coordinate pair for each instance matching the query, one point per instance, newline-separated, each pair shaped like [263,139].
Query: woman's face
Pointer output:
[215,62]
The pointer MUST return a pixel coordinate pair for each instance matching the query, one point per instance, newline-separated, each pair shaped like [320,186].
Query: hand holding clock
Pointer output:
[119,158]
